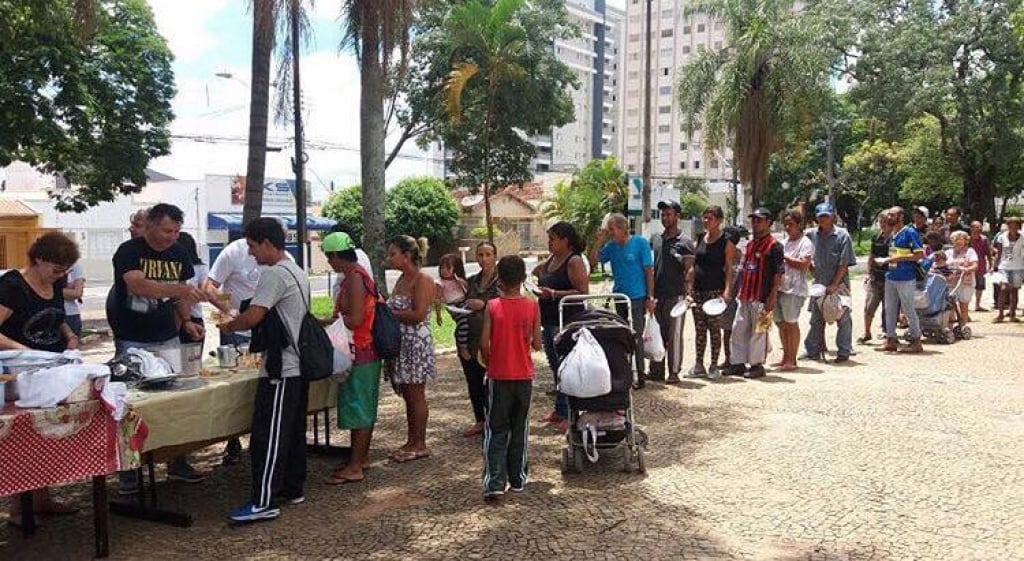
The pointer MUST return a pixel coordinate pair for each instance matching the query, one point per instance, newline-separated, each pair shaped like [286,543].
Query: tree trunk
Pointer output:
[371,141]
[259,107]
[488,221]
[981,196]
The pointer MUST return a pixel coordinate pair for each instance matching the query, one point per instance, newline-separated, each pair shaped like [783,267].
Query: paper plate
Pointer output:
[817,290]
[680,309]
[714,307]
[457,310]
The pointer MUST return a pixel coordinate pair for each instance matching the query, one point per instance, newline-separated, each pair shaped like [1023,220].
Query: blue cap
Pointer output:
[824,209]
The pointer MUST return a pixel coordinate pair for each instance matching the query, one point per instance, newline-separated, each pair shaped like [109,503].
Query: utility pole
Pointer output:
[299,160]
[645,191]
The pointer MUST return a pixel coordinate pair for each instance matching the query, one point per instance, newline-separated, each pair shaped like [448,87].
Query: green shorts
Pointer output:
[357,397]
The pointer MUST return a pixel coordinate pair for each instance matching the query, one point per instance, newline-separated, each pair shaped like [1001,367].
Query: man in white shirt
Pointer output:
[72,295]
[236,274]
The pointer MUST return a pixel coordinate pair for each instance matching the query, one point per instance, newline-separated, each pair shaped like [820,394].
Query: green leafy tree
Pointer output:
[770,78]
[346,206]
[85,94]
[930,178]
[594,191]
[421,207]
[693,194]
[870,179]
[505,84]
[957,62]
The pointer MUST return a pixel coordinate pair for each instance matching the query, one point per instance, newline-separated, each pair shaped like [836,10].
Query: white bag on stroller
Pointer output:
[585,371]
[654,346]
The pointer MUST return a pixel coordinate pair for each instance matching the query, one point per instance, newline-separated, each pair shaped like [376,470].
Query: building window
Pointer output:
[666,52]
[634,37]
[666,13]
[714,163]
[686,30]
[664,71]
[665,90]
[682,165]
[696,164]
[700,28]
[630,167]
[666,32]
[664,148]
[718,45]
[634,74]
[664,128]
[686,49]
[664,109]
[682,146]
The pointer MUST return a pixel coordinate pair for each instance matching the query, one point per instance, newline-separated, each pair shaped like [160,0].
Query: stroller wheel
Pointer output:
[566,462]
[965,333]
[641,465]
[641,438]
[948,337]
[578,459]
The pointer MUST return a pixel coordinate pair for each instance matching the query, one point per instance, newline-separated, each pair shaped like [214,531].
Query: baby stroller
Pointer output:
[608,422]
[940,308]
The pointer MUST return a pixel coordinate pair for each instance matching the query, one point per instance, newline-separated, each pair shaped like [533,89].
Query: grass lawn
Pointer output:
[444,334]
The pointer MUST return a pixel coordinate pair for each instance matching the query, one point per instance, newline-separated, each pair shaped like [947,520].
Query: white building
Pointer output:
[676,38]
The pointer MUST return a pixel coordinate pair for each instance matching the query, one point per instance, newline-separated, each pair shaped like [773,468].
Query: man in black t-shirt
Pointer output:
[151,302]
[673,255]
[875,282]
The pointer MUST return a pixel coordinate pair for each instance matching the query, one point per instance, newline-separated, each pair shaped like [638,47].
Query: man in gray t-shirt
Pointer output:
[277,441]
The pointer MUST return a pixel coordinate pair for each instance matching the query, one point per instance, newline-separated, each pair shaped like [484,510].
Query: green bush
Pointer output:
[420,207]
[346,206]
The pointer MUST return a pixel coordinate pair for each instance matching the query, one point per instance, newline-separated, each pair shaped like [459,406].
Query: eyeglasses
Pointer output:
[57,269]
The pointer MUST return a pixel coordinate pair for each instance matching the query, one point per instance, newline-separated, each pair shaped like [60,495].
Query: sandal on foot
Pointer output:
[402,457]
[339,478]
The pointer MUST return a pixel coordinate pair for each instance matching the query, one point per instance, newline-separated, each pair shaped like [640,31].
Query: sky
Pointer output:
[209,37]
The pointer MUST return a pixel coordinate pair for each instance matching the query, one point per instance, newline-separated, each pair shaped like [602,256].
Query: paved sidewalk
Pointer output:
[887,458]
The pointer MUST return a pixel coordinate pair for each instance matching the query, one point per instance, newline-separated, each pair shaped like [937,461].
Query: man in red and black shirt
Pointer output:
[762,268]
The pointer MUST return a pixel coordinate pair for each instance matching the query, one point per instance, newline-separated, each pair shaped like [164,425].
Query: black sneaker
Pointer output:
[734,370]
[755,372]
[291,501]
[842,358]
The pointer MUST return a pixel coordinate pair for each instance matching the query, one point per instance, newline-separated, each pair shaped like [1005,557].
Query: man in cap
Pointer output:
[919,216]
[673,255]
[901,283]
[756,295]
[833,257]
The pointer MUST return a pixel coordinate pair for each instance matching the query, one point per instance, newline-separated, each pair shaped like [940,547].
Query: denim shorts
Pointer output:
[1014,277]
[787,309]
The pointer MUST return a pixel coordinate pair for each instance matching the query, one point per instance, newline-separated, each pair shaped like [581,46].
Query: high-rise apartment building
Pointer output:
[675,39]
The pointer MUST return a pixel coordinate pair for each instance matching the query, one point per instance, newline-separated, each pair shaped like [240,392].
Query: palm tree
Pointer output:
[487,43]
[376,29]
[265,14]
[769,76]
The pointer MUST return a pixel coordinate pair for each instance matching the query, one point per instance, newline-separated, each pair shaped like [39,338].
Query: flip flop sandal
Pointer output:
[406,456]
[337,479]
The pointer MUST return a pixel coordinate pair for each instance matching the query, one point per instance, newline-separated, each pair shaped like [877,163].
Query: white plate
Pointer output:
[714,307]
[680,309]
[457,310]
[816,290]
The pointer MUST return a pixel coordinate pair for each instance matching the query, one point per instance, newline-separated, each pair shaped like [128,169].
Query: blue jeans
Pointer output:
[844,336]
[75,323]
[548,333]
[900,295]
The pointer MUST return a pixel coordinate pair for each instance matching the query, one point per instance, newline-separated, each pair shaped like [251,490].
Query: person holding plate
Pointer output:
[480,288]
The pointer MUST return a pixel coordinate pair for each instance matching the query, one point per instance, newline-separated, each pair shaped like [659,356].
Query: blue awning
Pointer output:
[232,221]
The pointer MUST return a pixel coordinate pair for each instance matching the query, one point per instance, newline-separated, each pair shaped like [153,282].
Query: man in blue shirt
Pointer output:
[901,282]
[633,270]
[833,257]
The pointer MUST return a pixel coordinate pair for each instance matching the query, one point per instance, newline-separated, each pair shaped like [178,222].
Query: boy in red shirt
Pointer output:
[511,328]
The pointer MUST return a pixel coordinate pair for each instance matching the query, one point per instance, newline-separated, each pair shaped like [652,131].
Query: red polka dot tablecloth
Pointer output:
[44,447]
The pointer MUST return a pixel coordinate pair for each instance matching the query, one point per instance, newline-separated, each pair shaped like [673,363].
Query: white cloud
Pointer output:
[183,24]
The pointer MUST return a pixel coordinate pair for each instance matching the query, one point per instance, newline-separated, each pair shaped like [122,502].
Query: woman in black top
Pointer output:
[710,278]
[562,274]
[32,317]
[480,288]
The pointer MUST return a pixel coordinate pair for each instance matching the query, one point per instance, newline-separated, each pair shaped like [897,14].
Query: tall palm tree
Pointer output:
[265,14]
[487,45]
[377,30]
[771,73]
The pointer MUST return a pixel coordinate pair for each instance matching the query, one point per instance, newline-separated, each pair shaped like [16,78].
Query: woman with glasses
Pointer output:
[32,317]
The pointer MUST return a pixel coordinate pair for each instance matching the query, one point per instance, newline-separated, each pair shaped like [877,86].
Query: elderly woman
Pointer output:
[711,277]
[32,317]
[415,366]
[562,274]
[480,288]
[963,261]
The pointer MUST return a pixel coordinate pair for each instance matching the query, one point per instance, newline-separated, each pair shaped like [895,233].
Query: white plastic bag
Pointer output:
[341,339]
[921,299]
[585,372]
[654,346]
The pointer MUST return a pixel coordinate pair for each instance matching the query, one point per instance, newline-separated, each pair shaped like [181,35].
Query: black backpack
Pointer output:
[386,331]
[316,353]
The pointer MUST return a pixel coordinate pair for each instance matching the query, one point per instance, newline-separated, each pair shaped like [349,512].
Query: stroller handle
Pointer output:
[614,297]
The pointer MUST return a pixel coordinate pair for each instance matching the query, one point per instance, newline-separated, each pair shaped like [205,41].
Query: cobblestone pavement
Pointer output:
[888,457]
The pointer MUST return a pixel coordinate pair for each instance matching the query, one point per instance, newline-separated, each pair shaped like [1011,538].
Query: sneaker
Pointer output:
[494,494]
[291,501]
[252,513]
[517,488]
[734,370]
[842,358]
[186,474]
[672,379]
[714,373]
[754,372]
[697,372]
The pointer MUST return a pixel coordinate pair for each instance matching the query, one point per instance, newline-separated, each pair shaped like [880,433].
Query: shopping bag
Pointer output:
[654,346]
[341,340]
[585,371]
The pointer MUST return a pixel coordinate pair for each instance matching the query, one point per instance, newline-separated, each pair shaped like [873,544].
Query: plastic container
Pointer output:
[191,359]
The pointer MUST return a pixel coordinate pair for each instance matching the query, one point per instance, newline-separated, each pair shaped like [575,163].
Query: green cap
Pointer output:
[338,241]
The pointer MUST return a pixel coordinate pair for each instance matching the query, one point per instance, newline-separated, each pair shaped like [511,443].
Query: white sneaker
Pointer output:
[697,372]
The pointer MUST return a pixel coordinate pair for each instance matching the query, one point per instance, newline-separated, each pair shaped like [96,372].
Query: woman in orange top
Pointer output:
[359,393]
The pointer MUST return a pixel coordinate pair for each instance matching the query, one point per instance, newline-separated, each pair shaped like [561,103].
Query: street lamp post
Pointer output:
[299,160]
